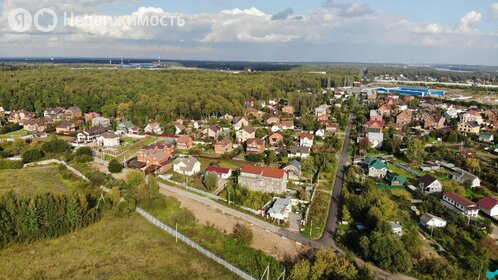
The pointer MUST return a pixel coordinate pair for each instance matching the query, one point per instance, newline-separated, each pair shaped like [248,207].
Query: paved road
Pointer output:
[327,238]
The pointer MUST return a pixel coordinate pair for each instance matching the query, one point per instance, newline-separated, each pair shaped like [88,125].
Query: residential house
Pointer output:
[90,135]
[433,121]
[288,110]
[396,180]
[374,125]
[56,113]
[489,205]
[463,176]
[223,146]
[276,138]
[272,120]
[245,133]
[249,102]
[451,113]
[255,146]
[179,128]
[429,184]
[36,125]
[385,110]
[90,116]
[377,168]
[273,101]
[125,127]
[73,113]
[251,112]
[287,124]
[322,110]
[299,152]
[101,121]
[184,142]
[2,111]
[320,132]
[306,139]
[240,122]
[492,118]
[371,95]
[187,166]
[331,127]
[20,116]
[153,128]
[222,173]
[281,209]
[430,221]
[486,137]
[151,149]
[293,170]
[472,116]
[108,139]
[212,131]
[65,128]
[460,203]
[404,118]
[375,139]
[469,127]
[263,179]
[396,228]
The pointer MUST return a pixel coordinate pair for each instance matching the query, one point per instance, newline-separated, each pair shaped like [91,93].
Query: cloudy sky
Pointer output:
[408,31]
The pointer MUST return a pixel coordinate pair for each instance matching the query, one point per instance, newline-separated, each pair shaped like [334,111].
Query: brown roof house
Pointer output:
[20,116]
[263,179]
[433,122]
[36,125]
[56,113]
[255,146]
[212,131]
[289,110]
[469,127]
[404,118]
[184,142]
[276,138]
[65,128]
[223,146]
[245,133]
[73,113]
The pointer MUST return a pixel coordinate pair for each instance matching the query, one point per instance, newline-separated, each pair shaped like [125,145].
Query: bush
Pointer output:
[56,146]
[84,151]
[10,128]
[115,166]
[32,155]
[242,234]
[183,217]
[11,164]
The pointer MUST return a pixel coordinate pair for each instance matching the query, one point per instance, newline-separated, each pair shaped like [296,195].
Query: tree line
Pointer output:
[44,216]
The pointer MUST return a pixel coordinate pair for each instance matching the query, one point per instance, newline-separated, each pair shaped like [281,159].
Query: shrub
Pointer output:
[11,164]
[242,234]
[115,166]
[32,155]
[56,146]
[84,151]
[183,217]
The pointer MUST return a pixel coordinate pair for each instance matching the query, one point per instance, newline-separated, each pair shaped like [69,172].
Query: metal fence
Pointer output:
[194,245]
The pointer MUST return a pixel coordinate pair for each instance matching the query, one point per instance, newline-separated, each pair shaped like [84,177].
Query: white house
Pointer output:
[429,221]
[101,121]
[108,139]
[489,205]
[299,151]
[396,228]
[463,176]
[375,139]
[320,133]
[429,184]
[460,203]
[153,127]
[223,173]
[240,122]
[186,166]
[281,209]
[306,140]
[90,135]
[376,167]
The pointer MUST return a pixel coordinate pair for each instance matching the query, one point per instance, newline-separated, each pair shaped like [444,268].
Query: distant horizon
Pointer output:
[101,58]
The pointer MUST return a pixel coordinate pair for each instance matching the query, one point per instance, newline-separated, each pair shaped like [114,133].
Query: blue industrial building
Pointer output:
[422,92]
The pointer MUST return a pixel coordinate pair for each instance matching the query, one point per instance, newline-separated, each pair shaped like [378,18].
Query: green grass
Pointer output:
[114,248]
[40,179]
[15,134]
[228,163]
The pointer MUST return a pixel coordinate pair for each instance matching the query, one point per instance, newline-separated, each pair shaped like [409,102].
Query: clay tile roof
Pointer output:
[306,135]
[488,202]
[465,202]
[219,170]
[270,172]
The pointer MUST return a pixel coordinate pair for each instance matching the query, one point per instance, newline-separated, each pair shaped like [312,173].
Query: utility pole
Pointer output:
[311,227]
[176,233]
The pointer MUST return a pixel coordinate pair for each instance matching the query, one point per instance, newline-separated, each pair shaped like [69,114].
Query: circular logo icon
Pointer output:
[20,20]
[46,16]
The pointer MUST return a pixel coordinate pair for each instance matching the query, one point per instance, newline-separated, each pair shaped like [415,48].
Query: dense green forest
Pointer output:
[141,94]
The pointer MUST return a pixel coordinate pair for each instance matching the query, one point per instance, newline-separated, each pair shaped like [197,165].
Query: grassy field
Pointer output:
[40,179]
[114,248]
[15,134]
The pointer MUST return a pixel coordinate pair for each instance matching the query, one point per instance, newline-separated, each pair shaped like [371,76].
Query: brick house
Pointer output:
[212,131]
[90,116]
[404,118]
[65,128]
[56,113]
[263,179]
[255,146]
[20,116]
[184,142]
[36,125]
[223,146]
[385,109]
[73,113]
[469,127]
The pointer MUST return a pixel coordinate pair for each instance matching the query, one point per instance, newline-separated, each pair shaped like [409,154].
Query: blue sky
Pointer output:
[407,31]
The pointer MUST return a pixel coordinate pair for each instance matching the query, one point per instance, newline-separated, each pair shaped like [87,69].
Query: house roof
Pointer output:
[264,171]
[279,206]
[249,129]
[428,217]
[183,139]
[188,162]
[74,110]
[219,170]
[65,125]
[427,180]
[109,135]
[224,142]
[287,123]
[255,141]
[465,202]
[160,155]
[377,164]
[307,136]
[294,163]
[299,149]
[488,202]
[399,178]
[472,124]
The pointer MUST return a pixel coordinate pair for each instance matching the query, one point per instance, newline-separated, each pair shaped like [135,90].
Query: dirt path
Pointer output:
[270,243]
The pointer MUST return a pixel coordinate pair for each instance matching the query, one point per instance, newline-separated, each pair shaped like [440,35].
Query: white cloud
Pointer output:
[468,20]
[494,10]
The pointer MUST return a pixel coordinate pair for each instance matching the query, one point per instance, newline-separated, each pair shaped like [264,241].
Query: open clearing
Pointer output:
[114,248]
[29,181]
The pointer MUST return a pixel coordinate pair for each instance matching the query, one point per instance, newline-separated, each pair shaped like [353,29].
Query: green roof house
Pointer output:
[376,167]
[397,180]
